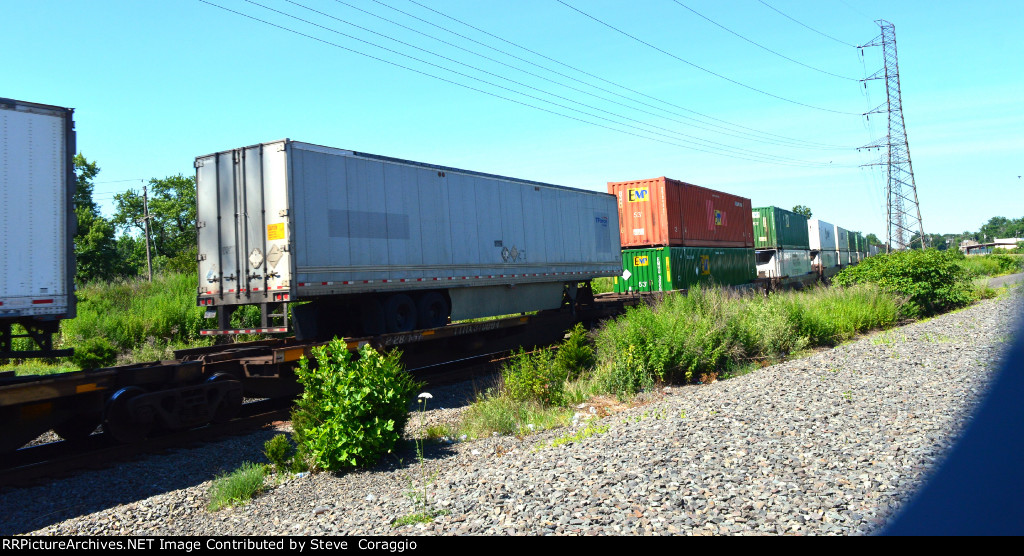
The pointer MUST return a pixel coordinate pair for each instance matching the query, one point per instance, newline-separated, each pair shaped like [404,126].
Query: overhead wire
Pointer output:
[805,25]
[490,93]
[759,45]
[704,142]
[584,72]
[689,63]
[698,125]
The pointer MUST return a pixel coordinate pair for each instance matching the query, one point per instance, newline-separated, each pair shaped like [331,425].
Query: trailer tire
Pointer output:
[432,309]
[399,313]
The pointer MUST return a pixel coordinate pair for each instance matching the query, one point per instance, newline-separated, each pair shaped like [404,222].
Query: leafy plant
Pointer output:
[575,356]
[534,376]
[351,411]
[94,353]
[280,452]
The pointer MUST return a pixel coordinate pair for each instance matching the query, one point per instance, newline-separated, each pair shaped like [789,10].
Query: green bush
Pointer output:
[534,376]
[626,376]
[279,452]
[931,281]
[351,412]
[575,356]
[94,353]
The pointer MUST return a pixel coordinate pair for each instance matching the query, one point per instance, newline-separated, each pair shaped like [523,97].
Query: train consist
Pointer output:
[676,235]
[374,246]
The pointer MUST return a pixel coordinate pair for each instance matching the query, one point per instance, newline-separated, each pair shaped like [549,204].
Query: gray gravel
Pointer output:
[832,443]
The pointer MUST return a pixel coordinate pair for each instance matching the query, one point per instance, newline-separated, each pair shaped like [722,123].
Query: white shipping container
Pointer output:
[781,263]
[822,235]
[825,259]
[842,239]
[310,222]
[37,220]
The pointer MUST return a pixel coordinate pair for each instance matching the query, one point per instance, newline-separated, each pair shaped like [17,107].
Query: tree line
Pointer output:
[115,247]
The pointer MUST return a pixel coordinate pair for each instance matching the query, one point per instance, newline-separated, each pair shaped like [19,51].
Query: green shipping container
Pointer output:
[678,268]
[776,228]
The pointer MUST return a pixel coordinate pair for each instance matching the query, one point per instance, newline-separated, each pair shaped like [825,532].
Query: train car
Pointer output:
[679,268]
[824,257]
[664,211]
[380,244]
[37,225]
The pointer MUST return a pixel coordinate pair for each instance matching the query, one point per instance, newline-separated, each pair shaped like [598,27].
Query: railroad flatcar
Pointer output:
[37,225]
[379,244]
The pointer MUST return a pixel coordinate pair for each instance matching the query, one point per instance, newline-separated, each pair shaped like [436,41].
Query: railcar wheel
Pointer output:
[432,309]
[120,423]
[79,428]
[230,403]
[399,313]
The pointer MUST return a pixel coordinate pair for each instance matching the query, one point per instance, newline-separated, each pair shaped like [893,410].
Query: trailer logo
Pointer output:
[601,220]
[638,194]
[641,260]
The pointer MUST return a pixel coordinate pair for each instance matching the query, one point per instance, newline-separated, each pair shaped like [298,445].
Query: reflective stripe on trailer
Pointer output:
[245,331]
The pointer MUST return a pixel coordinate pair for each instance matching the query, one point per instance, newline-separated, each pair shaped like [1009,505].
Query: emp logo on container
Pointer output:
[718,218]
[638,194]
[641,260]
[705,264]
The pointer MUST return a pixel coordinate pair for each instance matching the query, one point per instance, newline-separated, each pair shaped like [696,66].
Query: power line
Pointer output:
[739,135]
[709,20]
[522,103]
[711,144]
[689,63]
[584,72]
[807,26]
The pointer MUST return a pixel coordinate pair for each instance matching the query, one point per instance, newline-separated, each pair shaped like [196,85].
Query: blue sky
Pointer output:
[157,83]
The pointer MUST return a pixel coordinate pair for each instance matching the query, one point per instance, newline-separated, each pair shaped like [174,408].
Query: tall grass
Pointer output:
[707,331]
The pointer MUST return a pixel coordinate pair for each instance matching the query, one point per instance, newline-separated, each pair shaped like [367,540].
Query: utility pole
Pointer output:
[145,208]
[903,209]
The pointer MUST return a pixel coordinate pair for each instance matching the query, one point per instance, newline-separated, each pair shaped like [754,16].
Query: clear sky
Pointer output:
[156,83]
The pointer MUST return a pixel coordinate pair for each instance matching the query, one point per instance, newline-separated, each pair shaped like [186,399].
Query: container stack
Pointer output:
[676,235]
[782,243]
[843,246]
[822,236]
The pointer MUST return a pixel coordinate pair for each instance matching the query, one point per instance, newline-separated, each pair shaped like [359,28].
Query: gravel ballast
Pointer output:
[832,443]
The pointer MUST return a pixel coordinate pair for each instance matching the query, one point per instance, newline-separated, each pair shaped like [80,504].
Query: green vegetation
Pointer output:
[351,412]
[238,487]
[996,264]
[930,281]
[281,454]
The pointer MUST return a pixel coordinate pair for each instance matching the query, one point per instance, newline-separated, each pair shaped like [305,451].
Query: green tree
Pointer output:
[172,212]
[95,246]
[801,209]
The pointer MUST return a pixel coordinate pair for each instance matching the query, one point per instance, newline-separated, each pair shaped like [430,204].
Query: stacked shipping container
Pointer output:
[822,236]
[676,235]
[782,241]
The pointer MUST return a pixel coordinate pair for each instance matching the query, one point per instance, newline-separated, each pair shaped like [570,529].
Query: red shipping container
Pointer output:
[664,211]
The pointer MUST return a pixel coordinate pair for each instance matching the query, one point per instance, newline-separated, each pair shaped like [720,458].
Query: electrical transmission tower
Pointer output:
[903,209]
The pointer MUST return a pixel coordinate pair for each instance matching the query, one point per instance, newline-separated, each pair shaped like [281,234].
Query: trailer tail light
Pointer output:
[281,297]
[41,301]
[205,301]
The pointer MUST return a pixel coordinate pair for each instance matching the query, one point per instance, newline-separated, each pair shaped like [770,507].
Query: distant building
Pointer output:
[974,248]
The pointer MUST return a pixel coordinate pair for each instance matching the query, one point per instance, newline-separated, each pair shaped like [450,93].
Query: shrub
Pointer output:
[351,412]
[94,353]
[575,356]
[238,487]
[534,376]
[932,281]
[280,452]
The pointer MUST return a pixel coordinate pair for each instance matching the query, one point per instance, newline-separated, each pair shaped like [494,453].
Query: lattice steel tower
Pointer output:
[903,209]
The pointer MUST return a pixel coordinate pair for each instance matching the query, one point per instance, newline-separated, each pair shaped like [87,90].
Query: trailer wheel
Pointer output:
[399,313]
[120,423]
[433,310]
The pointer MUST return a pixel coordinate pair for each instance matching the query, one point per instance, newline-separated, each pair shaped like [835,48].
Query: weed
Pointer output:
[280,452]
[587,432]
[238,487]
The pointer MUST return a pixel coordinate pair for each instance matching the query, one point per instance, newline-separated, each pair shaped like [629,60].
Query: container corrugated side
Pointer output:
[37,219]
[842,239]
[676,268]
[821,234]
[776,228]
[319,221]
[781,263]
[664,211]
